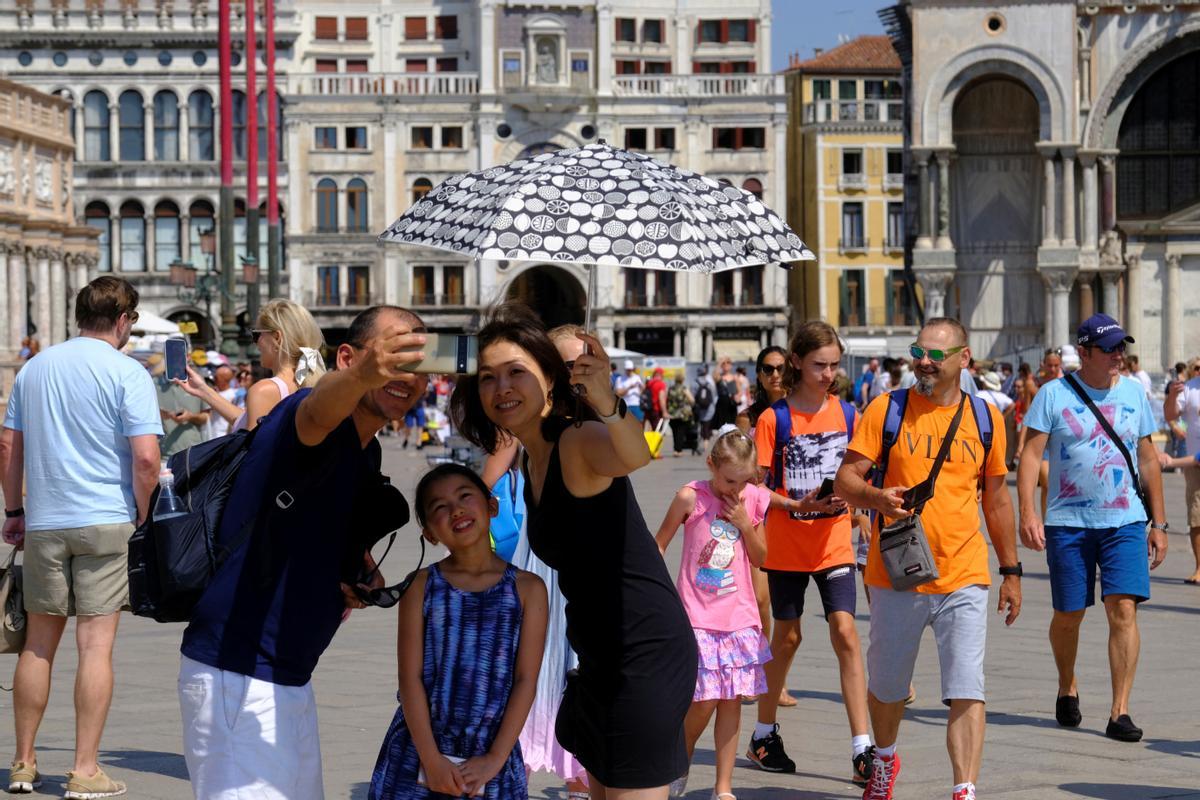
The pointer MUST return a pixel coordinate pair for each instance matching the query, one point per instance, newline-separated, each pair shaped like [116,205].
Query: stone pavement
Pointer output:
[1027,756]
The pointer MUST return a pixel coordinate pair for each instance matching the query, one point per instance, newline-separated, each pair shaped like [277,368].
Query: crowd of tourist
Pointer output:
[572,649]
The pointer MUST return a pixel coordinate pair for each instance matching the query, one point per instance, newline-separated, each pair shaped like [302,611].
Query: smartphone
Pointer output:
[175,355]
[447,354]
[826,489]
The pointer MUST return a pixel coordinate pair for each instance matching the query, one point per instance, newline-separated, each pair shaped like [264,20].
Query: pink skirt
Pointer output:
[731,664]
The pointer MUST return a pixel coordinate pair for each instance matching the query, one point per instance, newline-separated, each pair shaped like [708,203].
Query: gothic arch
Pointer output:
[1159,49]
[937,112]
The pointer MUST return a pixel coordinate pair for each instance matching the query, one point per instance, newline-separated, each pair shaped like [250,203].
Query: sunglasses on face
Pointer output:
[771,369]
[1119,347]
[936,356]
[256,334]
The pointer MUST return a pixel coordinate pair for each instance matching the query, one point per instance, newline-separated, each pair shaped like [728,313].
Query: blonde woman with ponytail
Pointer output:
[289,343]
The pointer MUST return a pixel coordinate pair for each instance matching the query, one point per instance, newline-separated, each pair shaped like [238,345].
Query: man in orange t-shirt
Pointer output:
[954,604]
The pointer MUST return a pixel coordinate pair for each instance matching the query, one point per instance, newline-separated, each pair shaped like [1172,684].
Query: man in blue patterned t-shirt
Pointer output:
[1095,516]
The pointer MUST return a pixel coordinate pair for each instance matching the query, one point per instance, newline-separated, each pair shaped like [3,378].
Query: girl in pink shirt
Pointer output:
[723,534]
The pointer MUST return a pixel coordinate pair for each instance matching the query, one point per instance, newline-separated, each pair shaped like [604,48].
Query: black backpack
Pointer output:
[704,395]
[172,561]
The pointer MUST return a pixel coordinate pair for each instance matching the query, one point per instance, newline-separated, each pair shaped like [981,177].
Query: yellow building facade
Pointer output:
[846,194]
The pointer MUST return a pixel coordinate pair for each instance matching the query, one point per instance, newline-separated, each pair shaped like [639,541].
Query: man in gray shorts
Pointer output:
[955,603]
[84,424]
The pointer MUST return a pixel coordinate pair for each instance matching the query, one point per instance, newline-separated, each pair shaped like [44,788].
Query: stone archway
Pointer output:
[995,220]
[553,293]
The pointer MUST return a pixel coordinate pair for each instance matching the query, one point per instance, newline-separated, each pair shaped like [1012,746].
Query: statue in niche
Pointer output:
[547,61]
[1110,250]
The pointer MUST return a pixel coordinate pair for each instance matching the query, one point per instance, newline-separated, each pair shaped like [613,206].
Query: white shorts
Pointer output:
[246,738]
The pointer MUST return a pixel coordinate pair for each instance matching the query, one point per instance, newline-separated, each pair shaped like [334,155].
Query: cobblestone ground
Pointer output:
[1027,756]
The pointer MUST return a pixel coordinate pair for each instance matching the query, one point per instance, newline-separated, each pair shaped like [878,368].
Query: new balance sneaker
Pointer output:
[1123,730]
[23,778]
[965,793]
[883,777]
[768,753]
[80,787]
[862,766]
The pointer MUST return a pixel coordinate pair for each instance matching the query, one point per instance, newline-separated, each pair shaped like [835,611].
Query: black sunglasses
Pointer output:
[388,596]
[256,333]
[771,369]
[1119,347]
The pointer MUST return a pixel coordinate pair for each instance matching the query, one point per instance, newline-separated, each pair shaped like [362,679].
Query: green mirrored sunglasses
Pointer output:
[936,356]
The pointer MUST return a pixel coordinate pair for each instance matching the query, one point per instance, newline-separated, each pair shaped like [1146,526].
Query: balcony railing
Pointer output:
[852,180]
[854,111]
[853,244]
[744,85]
[351,300]
[404,84]
[431,300]
[636,300]
[893,181]
[752,297]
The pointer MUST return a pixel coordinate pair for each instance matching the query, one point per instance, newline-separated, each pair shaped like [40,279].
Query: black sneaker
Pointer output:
[768,753]
[1122,729]
[1066,711]
[863,763]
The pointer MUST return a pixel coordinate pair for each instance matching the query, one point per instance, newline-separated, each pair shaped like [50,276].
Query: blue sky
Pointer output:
[798,26]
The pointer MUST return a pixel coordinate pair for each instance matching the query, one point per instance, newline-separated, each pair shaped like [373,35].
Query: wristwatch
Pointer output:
[19,511]
[1013,570]
[1160,526]
[618,413]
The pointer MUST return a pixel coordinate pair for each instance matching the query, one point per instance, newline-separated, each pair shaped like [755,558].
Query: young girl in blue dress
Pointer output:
[472,628]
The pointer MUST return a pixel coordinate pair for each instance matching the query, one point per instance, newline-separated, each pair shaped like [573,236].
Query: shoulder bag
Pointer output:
[1116,440]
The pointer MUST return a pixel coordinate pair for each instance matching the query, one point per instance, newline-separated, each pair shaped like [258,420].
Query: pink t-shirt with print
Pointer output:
[714,574]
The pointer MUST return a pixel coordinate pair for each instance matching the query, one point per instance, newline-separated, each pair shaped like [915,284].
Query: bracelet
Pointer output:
[19,511]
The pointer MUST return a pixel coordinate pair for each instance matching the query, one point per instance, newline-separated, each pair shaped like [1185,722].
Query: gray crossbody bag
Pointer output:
[903,545]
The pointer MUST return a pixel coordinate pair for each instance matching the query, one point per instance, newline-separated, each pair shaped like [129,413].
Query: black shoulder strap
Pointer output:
[1116,440]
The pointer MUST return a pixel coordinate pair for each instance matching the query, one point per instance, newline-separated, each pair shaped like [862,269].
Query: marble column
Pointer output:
[58,298]
[683,46]
[1108,192]
[114,244]
[1068,197]
[943,226]
[392,185]
[114,132]
[1087,301]
[1060,281]
[1109,293]
[935,284]
[677,343]
[1173,324]
[1047,312]
[148,137]
[1090,223]
[925,208]
[1049,195]
[1133,297]
[150,255]
[7,346]
[41,293]
[18,308]
[486,47]
[185,237]
[604,57]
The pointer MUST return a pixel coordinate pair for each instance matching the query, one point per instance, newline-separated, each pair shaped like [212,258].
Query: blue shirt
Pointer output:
[76,404]
[1090,484]
[275,604]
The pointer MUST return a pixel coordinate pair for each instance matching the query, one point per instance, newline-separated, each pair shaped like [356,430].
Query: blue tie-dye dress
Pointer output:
[470,656]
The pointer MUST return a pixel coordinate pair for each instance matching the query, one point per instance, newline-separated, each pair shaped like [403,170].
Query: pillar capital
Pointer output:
[1087,158]
[1047,150]
[921,155]
[1058,278]
[1174,260]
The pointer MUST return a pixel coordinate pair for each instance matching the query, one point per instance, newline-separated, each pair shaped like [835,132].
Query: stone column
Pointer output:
[1049,194]
[18,309]
[604,57]
[78,132]
[114,243]
[1108,192]
[677,345]
[1087,302]
[1059,280]
[487,47]
[185,236]
[1173,324]
[764,41]
[935,284]
[1068,197]
[58,298]
[1091,217]
[392,185]
[40,256]
[387,62]
[683,46]
[114,132]
[1047,312]
[148,153]
[943,227]
[780,168]
[150,256]
[1133,297]
[7,346]
[925,209]
[1110,296]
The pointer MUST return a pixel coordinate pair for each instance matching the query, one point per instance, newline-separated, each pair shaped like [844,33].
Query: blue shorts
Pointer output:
[1074,553]
[415,418]
[637,413]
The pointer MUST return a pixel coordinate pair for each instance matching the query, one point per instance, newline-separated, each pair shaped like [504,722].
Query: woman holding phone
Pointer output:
[289,343]
[622,713]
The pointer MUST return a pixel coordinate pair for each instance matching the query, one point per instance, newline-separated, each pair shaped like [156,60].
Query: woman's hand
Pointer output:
[194,385]
[477,771]
[591,371]
[444,777]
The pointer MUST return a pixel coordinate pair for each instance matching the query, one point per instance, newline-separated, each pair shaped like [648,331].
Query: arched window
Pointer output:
[262,126]
[96,215]
[420,188]
[200,126]
[201,219]
[166,235]
[133,237]
[356,205]
[166,127]
[1158,169]
[132,120]
[327,206]
[754,187]
[239,125]
[95,127]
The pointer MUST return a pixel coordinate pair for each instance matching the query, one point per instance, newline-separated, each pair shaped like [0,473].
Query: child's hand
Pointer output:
[477,771]
[445,777]
[734,511]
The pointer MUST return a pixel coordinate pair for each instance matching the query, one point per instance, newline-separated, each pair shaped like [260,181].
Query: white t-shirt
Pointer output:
[1188,405]
[217,425]
[1000,400]
[1142,376]
[632,386]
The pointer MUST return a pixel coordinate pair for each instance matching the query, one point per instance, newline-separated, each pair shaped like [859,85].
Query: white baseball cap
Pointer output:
[629,363]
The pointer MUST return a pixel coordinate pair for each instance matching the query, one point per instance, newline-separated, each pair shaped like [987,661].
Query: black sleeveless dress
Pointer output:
[622,714]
